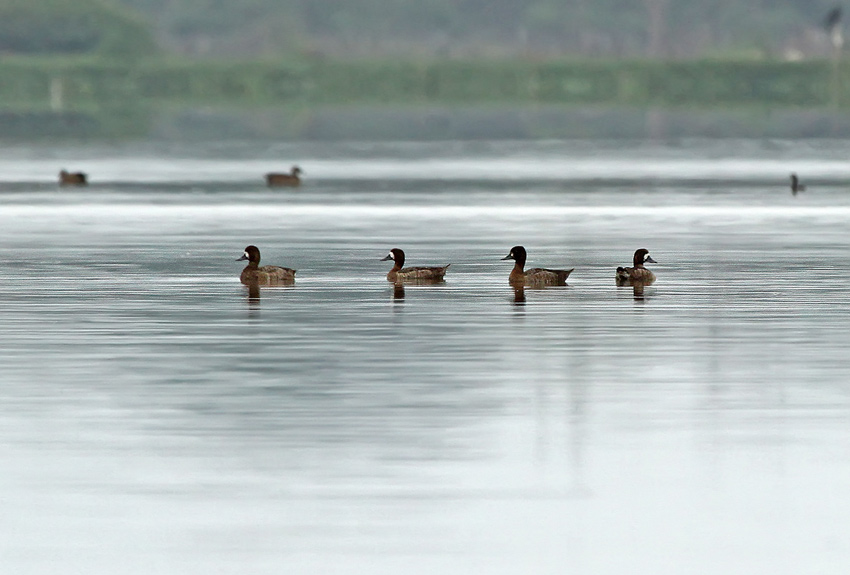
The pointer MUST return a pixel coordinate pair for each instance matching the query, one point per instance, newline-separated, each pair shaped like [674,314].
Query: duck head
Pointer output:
[517,254]
[395,255]
[642,257]
[252,254]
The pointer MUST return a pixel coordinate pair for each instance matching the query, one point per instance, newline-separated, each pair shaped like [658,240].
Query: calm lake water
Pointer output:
[154,419]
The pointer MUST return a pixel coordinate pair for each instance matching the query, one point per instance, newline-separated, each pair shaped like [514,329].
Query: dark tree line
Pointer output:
[72,27]
[428,28]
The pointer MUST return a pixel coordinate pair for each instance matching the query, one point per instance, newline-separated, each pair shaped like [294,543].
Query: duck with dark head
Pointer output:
[283,180]
[67,178]
[637,274]
[412,275]
[796,186]
[253,274]
[534,277]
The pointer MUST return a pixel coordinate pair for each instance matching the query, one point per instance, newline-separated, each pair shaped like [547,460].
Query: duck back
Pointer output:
[637,275]
[72,178]
[267,275]
[544,276]
[433,274]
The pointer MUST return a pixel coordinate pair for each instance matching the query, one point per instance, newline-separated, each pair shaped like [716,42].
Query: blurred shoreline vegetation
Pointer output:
[473,29]
[109,66]
[92,81]
[69,54]
[73,27]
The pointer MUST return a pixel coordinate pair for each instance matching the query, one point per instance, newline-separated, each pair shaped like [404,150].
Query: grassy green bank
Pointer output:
[78,84]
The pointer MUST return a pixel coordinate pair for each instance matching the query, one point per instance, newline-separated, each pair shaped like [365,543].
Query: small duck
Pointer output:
[412,275]
[67,178]
[637,274]
[266,275]
[536,277]
[280,180]
[796,186]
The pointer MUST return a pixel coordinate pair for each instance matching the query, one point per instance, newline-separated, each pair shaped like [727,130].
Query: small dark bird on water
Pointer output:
[67,178]
[796,186]
[279,180]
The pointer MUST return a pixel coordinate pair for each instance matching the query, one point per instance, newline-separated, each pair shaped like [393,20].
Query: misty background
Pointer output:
[377,28]
[332,69]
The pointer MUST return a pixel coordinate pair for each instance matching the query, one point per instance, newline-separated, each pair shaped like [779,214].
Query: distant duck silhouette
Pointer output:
[255,275]
[414,275]
[535,277]
[796,186]
[281,180]
[67,178]
[638,274]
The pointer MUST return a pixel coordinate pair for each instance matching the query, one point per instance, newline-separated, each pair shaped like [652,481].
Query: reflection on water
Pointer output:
[398,291]
[159,416]
[253,288]
[519,294]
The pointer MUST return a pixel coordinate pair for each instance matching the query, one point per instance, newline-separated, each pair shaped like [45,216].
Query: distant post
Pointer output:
[657,16]
[57,96]
[835,31]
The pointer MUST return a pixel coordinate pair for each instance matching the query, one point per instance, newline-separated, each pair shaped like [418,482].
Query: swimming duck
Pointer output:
[535,276]
[419,274]
[67,178]
[796,186]
[279,180]
[266,275]
[637,274]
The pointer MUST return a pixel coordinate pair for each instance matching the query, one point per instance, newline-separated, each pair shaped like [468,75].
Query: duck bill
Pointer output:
[650,260]
[508,257]
[387,259]
[243,258]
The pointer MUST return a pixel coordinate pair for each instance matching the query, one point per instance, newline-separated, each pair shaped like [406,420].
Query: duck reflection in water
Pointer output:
[519,295]
[638,291]
[398,292]
[253,295]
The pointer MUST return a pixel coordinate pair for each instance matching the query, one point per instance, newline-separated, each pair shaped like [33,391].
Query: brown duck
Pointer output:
[412,275]
[535,277]
[67,178]
[282,180]
[637,274]
[266,275]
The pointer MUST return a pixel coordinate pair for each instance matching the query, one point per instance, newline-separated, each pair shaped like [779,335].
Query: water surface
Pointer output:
[157,419]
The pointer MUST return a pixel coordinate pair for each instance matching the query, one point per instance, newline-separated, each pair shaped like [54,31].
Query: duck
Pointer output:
[413,275]
[637,274]
[67,178]
[536,277]
[266,275]
[280,180]
[796,186]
